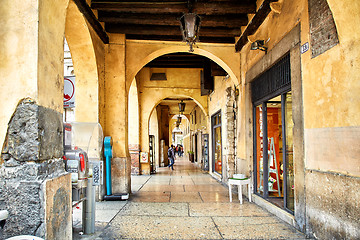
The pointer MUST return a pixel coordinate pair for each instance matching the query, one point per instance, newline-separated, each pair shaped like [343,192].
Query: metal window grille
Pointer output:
[272,82]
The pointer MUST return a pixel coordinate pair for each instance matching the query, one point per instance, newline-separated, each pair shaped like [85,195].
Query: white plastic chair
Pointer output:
[239,180]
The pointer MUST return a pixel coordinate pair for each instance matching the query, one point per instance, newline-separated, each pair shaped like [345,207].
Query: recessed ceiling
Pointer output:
[221,20]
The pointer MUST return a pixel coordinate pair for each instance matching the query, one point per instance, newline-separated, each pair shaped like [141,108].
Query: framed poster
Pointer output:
[144,157]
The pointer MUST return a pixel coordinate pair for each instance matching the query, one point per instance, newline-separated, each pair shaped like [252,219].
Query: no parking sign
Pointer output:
[69,92]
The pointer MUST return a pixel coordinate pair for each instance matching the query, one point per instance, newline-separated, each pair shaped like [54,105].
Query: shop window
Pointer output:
[273,136]
[217,143]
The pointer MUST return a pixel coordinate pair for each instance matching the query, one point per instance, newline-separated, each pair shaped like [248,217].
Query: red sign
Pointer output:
[69,92]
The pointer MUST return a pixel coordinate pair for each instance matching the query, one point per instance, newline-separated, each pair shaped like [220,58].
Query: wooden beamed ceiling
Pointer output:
[221,20]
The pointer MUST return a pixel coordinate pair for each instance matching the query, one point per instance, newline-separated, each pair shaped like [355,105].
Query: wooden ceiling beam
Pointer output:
[254,24]
[171,19]
[224,40]
[207,8]
[233,20]
[169,30]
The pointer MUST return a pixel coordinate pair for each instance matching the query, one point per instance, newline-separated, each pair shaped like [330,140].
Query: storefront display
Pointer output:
[217,148]
[273,135]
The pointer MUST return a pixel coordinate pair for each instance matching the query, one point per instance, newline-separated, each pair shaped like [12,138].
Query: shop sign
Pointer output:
[69,92]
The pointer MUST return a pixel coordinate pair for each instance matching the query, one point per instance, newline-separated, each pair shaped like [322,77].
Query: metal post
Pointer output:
[89,209]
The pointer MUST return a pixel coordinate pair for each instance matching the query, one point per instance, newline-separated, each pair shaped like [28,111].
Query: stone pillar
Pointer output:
[134,150]
[230,132]
[116,113]
[34,187]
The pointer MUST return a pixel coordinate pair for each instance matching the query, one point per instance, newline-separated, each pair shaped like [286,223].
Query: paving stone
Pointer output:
[162,188]
[200,210]
[185,197]
[260,231]
[226,209]
[150,197]
[155,209]
[146,227]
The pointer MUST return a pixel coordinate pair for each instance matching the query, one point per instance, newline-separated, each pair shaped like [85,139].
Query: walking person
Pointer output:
[171,156]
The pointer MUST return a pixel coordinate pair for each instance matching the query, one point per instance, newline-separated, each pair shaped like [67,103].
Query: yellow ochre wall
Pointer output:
[330,116]
[331,86]
[25,42]
[332,97]
[87,52]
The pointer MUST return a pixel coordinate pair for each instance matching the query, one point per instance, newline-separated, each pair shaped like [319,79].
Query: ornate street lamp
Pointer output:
[190,26]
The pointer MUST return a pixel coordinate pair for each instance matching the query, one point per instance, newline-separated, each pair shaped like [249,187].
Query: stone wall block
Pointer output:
[121,175]
[22,142]
[333,207]
[21,200]
[50,133]
[22,196]
[33,171]
[34,133]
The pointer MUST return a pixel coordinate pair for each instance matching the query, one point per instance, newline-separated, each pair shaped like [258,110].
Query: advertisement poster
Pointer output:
[144,157]
[69,92]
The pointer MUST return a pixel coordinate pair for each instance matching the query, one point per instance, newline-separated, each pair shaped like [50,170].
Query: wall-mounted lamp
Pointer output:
[259,44]
[190,26]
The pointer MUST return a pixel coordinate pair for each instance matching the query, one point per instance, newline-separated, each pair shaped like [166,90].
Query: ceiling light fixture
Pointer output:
[182,107]
[190,26]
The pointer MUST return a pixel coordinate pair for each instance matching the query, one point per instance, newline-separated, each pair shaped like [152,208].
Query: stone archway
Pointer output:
[81,44]
[223,55]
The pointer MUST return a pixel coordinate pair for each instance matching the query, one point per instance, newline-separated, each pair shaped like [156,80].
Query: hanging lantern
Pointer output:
[181,106]
[179,119]
[190,26]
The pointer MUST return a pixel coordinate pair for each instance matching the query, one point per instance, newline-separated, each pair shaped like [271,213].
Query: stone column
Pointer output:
[116,113]
[134,150]
[34,187]
[230,132]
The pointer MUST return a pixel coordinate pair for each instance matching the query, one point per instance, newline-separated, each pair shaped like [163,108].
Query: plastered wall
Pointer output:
[180,83]
[26,53]
[82,49]
[217,102]
[329,88]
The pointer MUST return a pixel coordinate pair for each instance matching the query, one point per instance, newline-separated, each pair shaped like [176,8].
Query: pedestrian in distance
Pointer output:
[171,156]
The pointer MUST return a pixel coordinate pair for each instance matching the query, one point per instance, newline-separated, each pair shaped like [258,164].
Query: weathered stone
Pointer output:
[21,200]
[22,195]
[58,208]
[32,171]
[333,209]
[22,143]
[121,175]
[50,133]
[34,133]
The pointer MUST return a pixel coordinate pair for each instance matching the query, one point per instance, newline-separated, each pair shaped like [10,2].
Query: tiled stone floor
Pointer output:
[186,203]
